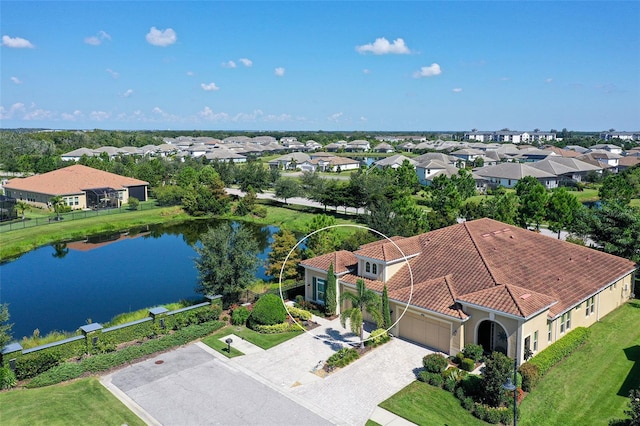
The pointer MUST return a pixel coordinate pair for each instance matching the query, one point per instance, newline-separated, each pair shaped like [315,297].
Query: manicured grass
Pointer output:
[264,341]
[372,423]
[19,241]
[592,385]
[81,402]
[215,343]
[424,404]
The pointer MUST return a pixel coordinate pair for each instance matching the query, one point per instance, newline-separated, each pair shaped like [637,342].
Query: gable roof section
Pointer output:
[510,299]
[512,171]
[342,260]
[387,251]
[435,295]
[72,180]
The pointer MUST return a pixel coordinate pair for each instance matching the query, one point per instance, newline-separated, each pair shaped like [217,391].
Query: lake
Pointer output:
[62,286]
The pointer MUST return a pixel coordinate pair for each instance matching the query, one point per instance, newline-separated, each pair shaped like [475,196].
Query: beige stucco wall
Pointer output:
[477,316]
[539,324]
[308,280]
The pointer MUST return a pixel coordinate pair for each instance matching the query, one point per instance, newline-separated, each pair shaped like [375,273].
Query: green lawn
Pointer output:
[81,402]
[592,385]
[424,404]
[264,341]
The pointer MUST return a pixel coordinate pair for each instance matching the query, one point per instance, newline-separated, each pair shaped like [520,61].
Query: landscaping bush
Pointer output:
[435,363]
[473,351]
[240,315]
[268,310]
[530,376]
[471,385]
[276,328]
[467,364]
[377,337]
[7,378]
[32,364]
[454,373]
[427,376]
[300,314]
[468,404]
[458,358]
[343,357]
[61,373]
[559,350]
[459,393]
[449,385]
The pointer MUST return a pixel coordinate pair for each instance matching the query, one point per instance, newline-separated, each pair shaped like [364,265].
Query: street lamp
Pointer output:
[513,386]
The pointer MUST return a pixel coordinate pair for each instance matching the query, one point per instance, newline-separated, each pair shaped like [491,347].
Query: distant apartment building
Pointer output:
[509,136]
[623,136]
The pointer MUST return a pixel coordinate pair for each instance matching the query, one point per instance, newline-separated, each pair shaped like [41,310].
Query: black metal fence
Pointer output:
[72,215]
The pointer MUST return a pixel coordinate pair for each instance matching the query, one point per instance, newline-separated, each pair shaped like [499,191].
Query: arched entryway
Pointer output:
[492,336]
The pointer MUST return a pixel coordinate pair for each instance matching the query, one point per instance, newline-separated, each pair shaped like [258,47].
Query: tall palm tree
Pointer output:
[57,202]
[364,300]
[22,207]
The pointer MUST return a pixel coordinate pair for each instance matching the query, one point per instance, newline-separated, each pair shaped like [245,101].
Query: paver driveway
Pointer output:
[276,386]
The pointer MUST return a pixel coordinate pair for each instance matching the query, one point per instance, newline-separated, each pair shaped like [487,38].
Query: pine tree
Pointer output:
[330,296]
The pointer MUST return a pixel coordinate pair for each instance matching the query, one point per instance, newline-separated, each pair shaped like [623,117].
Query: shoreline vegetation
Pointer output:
[20,241]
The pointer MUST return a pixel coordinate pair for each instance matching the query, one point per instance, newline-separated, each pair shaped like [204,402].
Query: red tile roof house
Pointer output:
[482,282]
[80,187]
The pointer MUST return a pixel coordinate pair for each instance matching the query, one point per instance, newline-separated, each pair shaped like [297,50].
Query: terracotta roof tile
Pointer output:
[72,180]
[342,260]
[510,299]
[435,295]
[388,251]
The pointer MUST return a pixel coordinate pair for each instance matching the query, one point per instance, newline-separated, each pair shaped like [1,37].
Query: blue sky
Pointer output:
[385,66]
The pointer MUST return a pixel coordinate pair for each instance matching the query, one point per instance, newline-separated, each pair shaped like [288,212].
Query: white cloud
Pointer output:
[208,114]
[366,71]
[38,114]
[190,73]
[161,38]
[279,118]
[99,115]
[127,93]
[456,90]
[16,42]
[77,114]
[505,79]
[363,118]
[16,80]
[229,64]
[382,47]
[209,87]
[97,40]
[113,73]
[248,116]
[335,117]
[548,80]
[430,71]
[279,71]
[246,62]
[8,114]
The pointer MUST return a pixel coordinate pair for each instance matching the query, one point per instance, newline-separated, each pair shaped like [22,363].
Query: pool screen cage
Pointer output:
[102,198]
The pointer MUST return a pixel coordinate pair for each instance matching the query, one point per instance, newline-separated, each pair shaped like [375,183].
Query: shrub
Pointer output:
[467,364]
[378,337]
[480,410]
[492,415]
[283,327]
[459,393]
[300,314]
[343,357]
[471,385]
[458,358]
[468,404]
[435,363]
[473,351]
[268,310]
[454,373]
[436,380]
[240,315]
[61,373]
[506,415]
[530,376]
[559,350]
[426,376]
[450,385]
[7,378]
[32,364]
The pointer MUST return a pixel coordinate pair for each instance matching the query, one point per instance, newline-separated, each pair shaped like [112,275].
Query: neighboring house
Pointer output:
[289,161]
[407,146]
[628,162]
[566,168]
[615,149]
[394,161]
[605,157]
[467,154]
[624,136]
[329,164]
[76,154]
[383,147]
[508,174]
[358,146]
[79,186]
[531,155]
[225,155]
[429,169]
[482,282]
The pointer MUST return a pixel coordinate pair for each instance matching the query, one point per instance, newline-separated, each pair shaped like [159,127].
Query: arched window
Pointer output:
[367,267]
[375,268]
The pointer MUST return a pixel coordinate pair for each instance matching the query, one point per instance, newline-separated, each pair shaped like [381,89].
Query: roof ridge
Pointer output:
[515,299]
[484,261]
[452,293]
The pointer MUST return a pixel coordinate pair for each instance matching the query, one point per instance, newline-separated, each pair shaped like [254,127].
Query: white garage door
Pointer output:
[429,332]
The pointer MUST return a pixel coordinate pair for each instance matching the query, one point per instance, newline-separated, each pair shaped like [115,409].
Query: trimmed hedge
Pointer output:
[276,328]
[300,314]
[102,362]
[467,364]
[540,364]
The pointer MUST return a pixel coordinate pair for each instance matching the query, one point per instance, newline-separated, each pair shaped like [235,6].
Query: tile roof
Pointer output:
[495,265]
[72,180]
[342,261]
